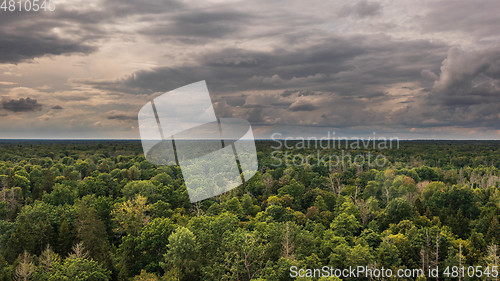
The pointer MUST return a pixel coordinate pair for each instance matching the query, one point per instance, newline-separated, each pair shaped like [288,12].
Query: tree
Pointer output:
[360,255]
[493,233]
[397,210]
[91,231]
[182,252]
[294,188]
[65,238]
[22,182]
[135,219]
[144,188]
[491,259]
[79,269]
[11,200]
[345,225]
[387,254]
[34,228]
[247,204]
[287,243]
[79,251]
[152,244]
[25,268]
[145,276]
[243,256]
[60,195]
[233,205]
[46,263]
[335,181]
[477,247]
[131,215]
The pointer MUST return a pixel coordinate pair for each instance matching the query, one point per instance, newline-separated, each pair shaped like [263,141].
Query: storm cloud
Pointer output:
[122,117]
[15,47]
[403,67]
[28,35]
[21,105]
[361,9]
[336,64]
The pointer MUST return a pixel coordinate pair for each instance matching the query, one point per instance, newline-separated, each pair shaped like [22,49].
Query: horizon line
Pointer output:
[260,139]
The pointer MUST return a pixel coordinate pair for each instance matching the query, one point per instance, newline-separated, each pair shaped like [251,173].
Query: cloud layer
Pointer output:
[403,68]
[21,105]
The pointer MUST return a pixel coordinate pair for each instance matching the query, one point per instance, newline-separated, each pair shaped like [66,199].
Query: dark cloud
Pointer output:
[16,48]
[477,19]
[361,9]
[122,117]
[335,77]
[299,93]
[465,94]
[226,75]
[468,78]
[283,64]
[21,105]
[196,26]
[255,115]
[336,64]
[303,107]
[281,104]
[28,35]
[287,93]
[235,100]
[120,8]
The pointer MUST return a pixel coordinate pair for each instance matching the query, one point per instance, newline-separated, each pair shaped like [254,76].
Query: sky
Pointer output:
[407,69]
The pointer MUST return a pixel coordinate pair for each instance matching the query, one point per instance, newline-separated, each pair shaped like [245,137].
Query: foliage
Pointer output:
[97,210]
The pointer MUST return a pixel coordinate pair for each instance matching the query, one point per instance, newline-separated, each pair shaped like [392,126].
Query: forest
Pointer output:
[97,210]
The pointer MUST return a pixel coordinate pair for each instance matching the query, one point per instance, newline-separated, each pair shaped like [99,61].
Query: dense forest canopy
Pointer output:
[97,210]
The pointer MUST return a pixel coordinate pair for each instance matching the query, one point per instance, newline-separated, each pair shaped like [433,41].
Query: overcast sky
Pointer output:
[411,69]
